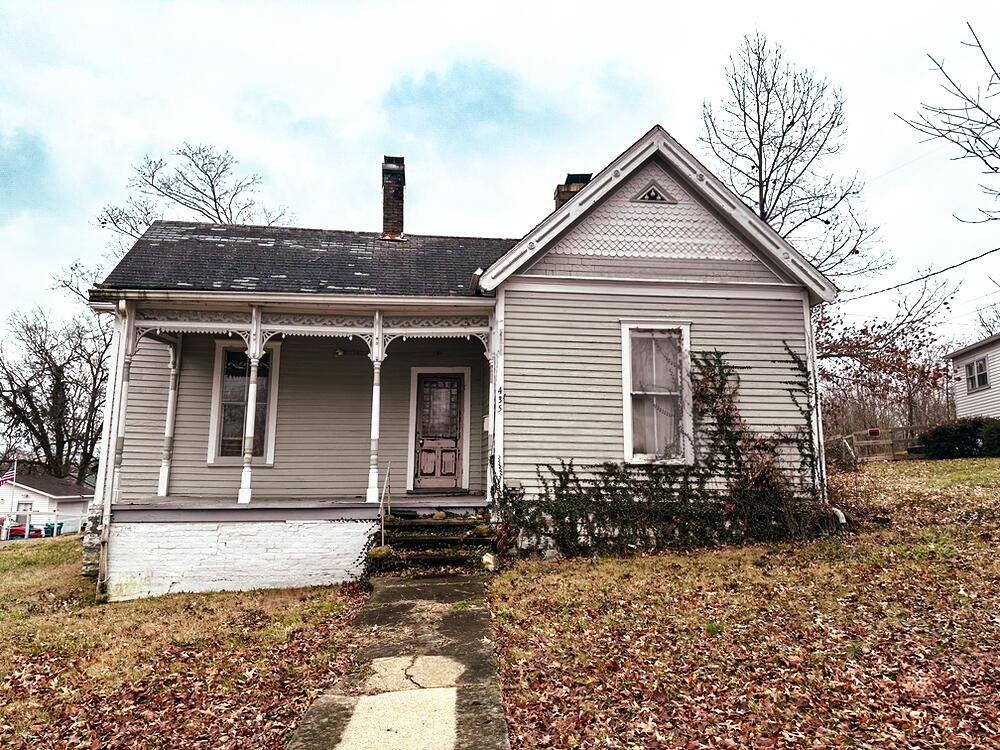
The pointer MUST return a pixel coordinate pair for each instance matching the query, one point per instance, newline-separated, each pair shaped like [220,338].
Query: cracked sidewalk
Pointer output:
[429,681]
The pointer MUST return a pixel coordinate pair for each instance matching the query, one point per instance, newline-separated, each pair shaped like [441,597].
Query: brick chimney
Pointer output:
[573,185]
[393,180]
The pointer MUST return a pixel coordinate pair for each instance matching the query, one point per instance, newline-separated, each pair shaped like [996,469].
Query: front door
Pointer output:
[439,432]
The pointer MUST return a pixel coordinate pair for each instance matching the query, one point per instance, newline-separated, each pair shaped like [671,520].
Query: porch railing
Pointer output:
[385,501]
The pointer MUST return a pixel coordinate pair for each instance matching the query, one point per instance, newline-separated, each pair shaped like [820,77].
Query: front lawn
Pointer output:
[888,637]
[181,671]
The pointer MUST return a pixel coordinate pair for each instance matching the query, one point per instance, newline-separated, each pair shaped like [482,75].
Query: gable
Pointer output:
[652,226]
[770,247]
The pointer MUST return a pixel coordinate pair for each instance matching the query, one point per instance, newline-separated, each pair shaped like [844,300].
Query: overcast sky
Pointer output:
[490,106]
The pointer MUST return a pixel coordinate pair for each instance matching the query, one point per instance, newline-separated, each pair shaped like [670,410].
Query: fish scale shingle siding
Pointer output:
[627,238]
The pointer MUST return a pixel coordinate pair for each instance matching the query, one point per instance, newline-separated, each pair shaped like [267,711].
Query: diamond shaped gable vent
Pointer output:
[653,193]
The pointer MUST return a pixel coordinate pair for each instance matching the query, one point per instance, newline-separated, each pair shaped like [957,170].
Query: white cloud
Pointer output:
[298,92]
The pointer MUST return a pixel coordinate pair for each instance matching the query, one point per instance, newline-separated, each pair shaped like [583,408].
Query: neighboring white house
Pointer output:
[46,500]
[976,369]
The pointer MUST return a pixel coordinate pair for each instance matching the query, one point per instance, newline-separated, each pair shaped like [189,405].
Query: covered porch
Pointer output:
[231,414]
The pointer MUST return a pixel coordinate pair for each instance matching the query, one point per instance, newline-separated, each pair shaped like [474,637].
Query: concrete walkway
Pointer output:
[429,682]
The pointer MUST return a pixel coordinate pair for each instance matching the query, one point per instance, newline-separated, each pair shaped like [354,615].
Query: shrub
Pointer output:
[991,439]
[963,438]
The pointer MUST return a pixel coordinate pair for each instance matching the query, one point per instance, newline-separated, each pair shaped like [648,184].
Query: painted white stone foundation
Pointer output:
[149,559]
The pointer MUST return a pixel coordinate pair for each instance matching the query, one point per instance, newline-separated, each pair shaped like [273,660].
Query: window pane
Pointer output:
[232,429]
[980,365]
[984,379]
[642,362]
[656,424]
[643,425]
[666,361]
[656,361]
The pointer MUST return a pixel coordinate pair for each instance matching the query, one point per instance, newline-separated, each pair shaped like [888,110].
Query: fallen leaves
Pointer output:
[885,638]
[214,671]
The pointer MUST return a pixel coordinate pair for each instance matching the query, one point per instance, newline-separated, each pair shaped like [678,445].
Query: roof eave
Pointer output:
[994,339]
[103,299]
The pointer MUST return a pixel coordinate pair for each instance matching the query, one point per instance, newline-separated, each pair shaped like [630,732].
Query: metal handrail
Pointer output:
[382,500]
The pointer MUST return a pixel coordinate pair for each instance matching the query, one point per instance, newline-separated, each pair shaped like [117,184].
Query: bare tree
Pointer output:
[53,379]
[772,136]
[197,181]
[969,118]
[989,319]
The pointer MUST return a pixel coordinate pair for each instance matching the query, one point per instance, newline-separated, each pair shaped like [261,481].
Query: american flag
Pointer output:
[9,475]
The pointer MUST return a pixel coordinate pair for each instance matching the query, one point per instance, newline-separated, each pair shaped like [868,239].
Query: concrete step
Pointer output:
[416,540]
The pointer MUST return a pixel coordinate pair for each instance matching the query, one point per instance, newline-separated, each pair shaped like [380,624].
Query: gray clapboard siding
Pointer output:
[563,367]
[323,418]
[145,418]
[984,402]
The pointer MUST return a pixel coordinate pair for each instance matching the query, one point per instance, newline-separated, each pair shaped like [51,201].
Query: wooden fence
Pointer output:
[883,444]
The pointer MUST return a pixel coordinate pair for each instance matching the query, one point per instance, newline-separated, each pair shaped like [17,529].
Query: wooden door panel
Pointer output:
[428,463]
[439,431]
[449,463]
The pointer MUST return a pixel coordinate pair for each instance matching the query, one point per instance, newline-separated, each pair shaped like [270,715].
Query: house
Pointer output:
[45,500]
[976,368]
[271,384]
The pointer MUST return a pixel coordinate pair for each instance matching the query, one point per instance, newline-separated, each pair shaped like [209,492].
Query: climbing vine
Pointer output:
[743,485]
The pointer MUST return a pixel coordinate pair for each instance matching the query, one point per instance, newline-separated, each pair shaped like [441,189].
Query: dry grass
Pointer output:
[889,637]
[188,670]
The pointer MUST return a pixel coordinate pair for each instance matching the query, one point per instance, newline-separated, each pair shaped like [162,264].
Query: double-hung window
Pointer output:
[656,392]
[229,403]
[976,375]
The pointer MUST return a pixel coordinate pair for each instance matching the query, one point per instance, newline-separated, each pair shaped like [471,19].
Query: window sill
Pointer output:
[980,389]
[654,460]
[230,461]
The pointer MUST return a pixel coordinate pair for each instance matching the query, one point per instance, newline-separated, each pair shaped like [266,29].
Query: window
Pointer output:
[229,403]
[976,375]
[657,392]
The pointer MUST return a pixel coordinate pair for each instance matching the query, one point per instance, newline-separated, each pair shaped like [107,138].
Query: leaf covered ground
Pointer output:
[181,671]
[887,637]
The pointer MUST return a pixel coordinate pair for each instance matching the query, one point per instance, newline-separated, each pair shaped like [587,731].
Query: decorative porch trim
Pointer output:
[466,373]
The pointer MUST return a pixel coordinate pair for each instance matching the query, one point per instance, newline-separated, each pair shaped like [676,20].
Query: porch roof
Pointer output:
[176,255]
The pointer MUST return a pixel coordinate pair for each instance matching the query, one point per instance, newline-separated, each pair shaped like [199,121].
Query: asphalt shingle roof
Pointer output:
[222,257]
[54,485]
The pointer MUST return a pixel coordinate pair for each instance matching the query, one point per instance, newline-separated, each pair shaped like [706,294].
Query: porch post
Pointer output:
[127,311]
[377,355]
[116,410]
[163,486]
[254,353]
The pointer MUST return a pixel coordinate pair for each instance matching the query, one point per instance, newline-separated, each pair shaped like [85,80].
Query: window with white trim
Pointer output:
[229,403]
[235,383]
[657,392]
[976,375]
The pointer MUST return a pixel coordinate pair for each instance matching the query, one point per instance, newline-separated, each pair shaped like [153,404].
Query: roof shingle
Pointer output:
[223,257]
